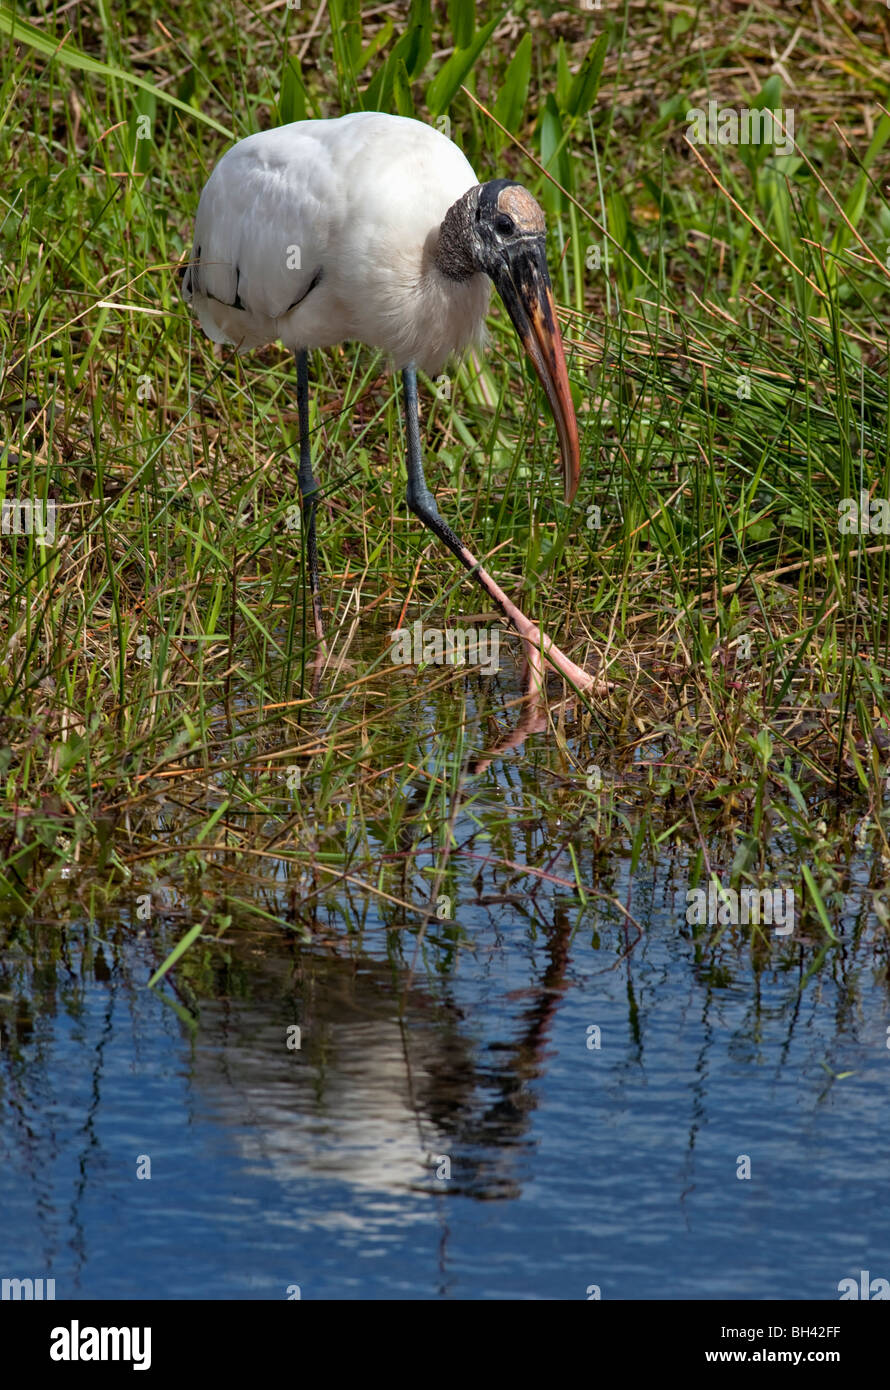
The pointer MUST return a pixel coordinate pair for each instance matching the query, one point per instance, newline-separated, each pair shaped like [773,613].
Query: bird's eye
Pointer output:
[504,225]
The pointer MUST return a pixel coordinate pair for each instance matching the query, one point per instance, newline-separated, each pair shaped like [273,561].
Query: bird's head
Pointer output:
[497,227]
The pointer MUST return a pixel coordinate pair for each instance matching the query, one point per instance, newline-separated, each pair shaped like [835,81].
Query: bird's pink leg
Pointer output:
[536,643]
[319,625]
[538,647]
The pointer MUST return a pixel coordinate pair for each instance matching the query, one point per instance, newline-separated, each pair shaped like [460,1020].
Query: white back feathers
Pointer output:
[325,231]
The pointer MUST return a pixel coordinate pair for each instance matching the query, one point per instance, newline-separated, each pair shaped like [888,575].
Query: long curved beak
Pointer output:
[523,282]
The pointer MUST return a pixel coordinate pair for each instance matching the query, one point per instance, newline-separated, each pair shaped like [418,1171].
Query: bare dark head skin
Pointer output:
[499,228]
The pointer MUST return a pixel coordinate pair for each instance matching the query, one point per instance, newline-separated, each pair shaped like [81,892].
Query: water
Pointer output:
[326,1166]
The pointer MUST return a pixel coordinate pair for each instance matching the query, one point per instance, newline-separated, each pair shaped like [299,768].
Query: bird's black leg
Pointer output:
[423,504]
[420,500]
[309,489]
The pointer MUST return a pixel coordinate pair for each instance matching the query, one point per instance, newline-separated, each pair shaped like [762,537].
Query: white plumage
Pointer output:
[359,201]
[375,228]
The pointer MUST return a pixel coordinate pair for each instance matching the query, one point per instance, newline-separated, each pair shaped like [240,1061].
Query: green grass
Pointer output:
[162,731]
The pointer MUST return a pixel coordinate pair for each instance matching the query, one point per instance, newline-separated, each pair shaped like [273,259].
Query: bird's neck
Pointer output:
[454,256]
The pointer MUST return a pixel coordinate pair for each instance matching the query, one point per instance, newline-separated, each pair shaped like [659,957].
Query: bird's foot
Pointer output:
[539,650]
[540,653]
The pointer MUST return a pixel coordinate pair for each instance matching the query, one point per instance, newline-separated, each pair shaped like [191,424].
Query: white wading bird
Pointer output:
[375,228]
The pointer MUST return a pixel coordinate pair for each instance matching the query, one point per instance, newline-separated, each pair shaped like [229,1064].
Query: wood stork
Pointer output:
[375,228]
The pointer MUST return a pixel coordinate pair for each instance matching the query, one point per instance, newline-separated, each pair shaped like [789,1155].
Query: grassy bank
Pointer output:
[164,732]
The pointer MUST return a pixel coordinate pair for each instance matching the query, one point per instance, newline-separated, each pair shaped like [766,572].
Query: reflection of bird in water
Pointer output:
[384,1083]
